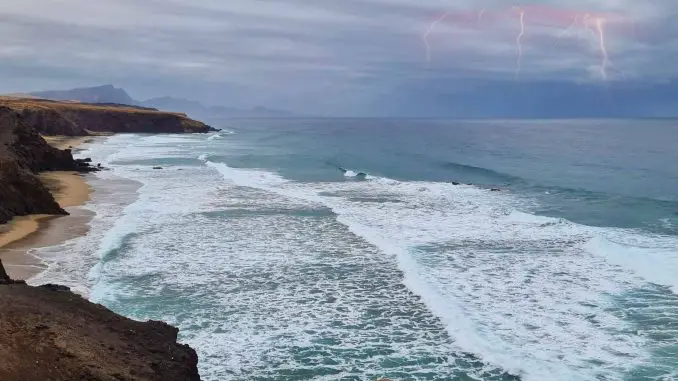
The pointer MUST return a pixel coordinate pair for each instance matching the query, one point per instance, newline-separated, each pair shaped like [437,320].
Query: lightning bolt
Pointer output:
[480,17]
[562,34]
[430,30]
[600,27]
[587,25]
[519,41]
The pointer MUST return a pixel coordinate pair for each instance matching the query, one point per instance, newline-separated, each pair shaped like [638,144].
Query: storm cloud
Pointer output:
[332,56]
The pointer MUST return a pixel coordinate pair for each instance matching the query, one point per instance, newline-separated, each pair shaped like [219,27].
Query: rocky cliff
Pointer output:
[23,154]
[123,119]
[79,119]
[49,333]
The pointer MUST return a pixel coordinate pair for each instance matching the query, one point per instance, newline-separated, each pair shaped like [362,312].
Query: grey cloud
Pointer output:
[301,52]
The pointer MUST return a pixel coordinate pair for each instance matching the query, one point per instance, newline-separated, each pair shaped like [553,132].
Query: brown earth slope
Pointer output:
[78,119]
[49,333]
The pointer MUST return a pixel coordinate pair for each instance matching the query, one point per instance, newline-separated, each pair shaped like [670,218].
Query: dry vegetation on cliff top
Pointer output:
[81,119]
[37,103]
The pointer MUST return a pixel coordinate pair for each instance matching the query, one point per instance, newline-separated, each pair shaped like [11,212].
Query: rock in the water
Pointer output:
[55,287]
[495,190]
[455,183]
[157,167]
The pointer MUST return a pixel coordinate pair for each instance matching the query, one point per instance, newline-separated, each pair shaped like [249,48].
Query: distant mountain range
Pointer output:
[199,110]
[99,94]
[114,95]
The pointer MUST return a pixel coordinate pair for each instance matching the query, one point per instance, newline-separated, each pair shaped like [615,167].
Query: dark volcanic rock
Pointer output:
[22,193]
[49,333]
[23,154]
[4,278]
[55,287]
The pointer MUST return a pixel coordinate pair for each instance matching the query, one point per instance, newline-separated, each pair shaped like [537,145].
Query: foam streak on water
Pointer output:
[531,294]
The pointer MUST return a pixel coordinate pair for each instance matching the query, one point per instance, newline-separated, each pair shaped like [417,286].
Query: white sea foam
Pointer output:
[70,262]
[521,291]
[667,223]
[641,255]
[353,174]
[249,178]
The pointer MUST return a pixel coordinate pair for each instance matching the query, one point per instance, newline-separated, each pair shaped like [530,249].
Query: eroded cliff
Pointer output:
[23,154]
[50,333]
[79,119]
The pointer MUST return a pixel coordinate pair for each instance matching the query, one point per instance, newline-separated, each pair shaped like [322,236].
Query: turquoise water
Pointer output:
[276,265]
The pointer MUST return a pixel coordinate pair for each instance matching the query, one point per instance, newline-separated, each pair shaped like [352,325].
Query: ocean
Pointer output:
[276,264]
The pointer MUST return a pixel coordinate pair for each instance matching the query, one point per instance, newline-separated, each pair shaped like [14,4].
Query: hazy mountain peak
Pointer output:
[96,94]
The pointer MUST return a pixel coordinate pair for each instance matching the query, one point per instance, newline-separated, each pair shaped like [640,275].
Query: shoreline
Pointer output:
[23,234]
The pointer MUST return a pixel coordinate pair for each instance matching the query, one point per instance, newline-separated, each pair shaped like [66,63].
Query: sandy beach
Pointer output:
[25,233]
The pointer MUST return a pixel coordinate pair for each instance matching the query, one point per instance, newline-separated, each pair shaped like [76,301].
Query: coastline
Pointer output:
[45,231]
[22,234]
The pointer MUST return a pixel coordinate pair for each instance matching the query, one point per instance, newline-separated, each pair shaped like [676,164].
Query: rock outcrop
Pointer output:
[23,154]
[4,278]
[50,333]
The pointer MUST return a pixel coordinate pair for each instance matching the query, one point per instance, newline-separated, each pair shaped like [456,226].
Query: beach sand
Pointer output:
[64,142]
[22,234]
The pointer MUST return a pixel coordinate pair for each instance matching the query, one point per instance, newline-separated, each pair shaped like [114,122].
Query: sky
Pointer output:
[348,57]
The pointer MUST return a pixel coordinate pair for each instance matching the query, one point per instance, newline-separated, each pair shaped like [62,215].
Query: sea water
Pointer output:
[278,261]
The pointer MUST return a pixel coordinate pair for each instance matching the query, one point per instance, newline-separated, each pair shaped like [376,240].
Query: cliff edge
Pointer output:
[50,333]
[80,119]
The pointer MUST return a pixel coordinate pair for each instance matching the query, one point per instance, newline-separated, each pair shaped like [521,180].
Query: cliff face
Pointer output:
[140,121]
[23,153]
[79,119]
[49,333]
[48,121]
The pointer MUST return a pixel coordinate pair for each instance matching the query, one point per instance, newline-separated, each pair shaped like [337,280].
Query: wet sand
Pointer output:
[64,142]
[22,234]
